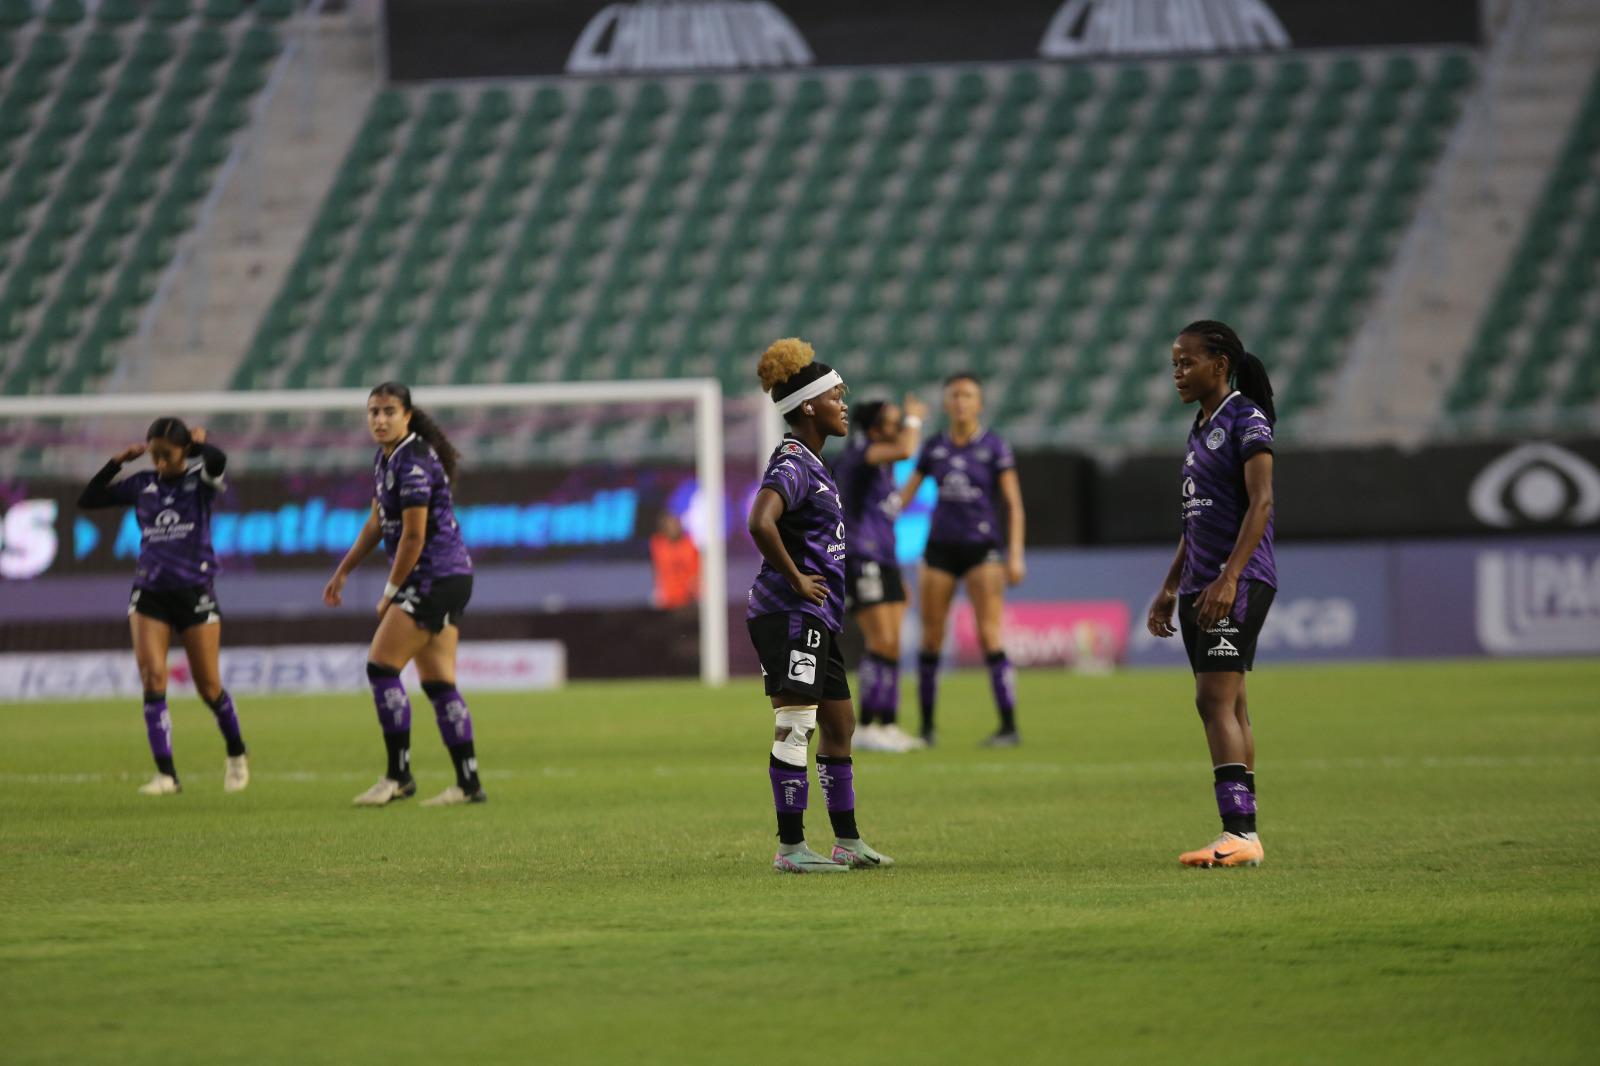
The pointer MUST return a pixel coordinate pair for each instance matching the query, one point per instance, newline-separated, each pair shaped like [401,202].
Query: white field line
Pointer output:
[910,764]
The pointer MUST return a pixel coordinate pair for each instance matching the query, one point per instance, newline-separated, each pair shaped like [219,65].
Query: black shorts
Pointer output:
[956,559]
[442,605]
[868,584]
[179,608]
[799,656]
[1230,647]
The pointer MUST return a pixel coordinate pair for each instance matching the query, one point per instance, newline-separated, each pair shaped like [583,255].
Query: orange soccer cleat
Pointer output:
[1227,850]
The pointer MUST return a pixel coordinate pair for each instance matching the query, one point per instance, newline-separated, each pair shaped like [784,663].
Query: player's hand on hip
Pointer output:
[1216,601]
[813,588]
[333,592]
[1159,620]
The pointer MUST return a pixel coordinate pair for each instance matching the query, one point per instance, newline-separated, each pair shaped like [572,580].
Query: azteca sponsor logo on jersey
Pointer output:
[1190,503]
[168,525]
[717,35]
[1145,27]
[1533,602]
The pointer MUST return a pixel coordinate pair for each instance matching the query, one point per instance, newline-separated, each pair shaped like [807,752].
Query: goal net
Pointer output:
[566,493]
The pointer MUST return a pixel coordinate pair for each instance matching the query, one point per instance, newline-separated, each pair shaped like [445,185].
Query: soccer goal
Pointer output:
[572,475]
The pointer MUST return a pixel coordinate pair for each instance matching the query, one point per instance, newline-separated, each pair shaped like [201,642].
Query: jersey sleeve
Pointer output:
[1004,458]
[925,458]
[127,490]
[413,483]
[1253,435]
[788,476]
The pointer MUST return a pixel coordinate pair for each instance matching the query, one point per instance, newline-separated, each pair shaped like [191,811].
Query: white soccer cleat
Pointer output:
[805,861]
[902,741]
[236,773]
[454,796]
[161,785]
[871,738]
[386,791]
[859,853]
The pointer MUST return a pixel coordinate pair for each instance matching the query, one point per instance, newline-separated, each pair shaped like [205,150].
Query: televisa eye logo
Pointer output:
[1536,484]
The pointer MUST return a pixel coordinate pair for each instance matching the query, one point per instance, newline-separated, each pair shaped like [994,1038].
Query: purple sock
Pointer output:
[394,715]
[158,727]
[869,689]
[790,789]
[927,686]
[889,693]
[1235,802]
[450,711]
[228,722]
[837,777]
[1003,680]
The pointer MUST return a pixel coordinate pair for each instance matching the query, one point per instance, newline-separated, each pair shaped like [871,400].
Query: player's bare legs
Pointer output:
[1220,699]
[936,589]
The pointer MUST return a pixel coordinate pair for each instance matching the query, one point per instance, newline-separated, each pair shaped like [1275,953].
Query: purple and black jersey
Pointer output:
[812,528]
[968,476]
[1214,495]
[174,519]
[870,505]
[412,476]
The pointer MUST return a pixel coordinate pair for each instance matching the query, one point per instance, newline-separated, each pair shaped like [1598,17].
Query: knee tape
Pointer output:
[796,724]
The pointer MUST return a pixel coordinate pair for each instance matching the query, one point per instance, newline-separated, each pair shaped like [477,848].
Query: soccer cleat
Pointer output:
[236,773]
[161,785]
[1227,850]
[454,796]
[805,861]
[871,738]
[902,740]
[386,791]
[859,853]
[1003,739]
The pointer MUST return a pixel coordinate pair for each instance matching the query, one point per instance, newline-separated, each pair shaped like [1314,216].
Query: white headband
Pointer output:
[826,382]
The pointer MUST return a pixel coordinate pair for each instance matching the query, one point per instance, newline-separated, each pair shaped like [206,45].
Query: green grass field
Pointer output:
[1431,892]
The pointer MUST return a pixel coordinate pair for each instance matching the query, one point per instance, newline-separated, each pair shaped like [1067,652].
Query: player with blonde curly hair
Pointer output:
[796,610]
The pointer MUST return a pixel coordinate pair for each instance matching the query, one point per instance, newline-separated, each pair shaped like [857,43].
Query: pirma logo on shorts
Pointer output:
[802,667]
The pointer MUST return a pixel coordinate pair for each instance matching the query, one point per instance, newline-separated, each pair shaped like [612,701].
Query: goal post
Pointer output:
[704,395]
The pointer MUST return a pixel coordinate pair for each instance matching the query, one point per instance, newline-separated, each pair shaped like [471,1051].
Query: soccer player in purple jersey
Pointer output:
[797,611]
[875,592]
[976,472]
[430,583]
[172,587]
[1223,578]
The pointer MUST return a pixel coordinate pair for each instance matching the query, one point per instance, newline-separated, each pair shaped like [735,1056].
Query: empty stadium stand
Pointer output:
[111,127]
[1048,226]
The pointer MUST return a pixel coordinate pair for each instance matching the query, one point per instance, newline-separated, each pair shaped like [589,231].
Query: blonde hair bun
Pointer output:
[782,360]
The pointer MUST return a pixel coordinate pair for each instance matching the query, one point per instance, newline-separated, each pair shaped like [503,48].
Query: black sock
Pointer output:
[466,762]
[399,747]
[1236,822]
[164,765]
[1250,781]
[927,687]
[865,717]
[844,822]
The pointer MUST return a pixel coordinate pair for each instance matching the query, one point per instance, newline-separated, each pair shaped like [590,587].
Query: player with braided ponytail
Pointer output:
[1223,578]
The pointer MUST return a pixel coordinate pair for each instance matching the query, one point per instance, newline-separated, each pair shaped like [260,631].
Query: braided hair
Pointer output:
[173,431]
[422,425]
[1245,371]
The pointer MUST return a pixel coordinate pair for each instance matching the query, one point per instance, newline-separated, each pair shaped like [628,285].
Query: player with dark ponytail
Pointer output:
[430,583]
[796,611]
[1223,578]
[173,589]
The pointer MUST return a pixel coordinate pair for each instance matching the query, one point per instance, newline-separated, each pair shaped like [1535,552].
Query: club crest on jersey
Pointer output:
[1215,438]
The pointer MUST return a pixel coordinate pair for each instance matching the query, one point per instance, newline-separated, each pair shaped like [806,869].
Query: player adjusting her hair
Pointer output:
[1223,578]
[976,472]
[796,611]
[173,584]
[875,591]
[430,582]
